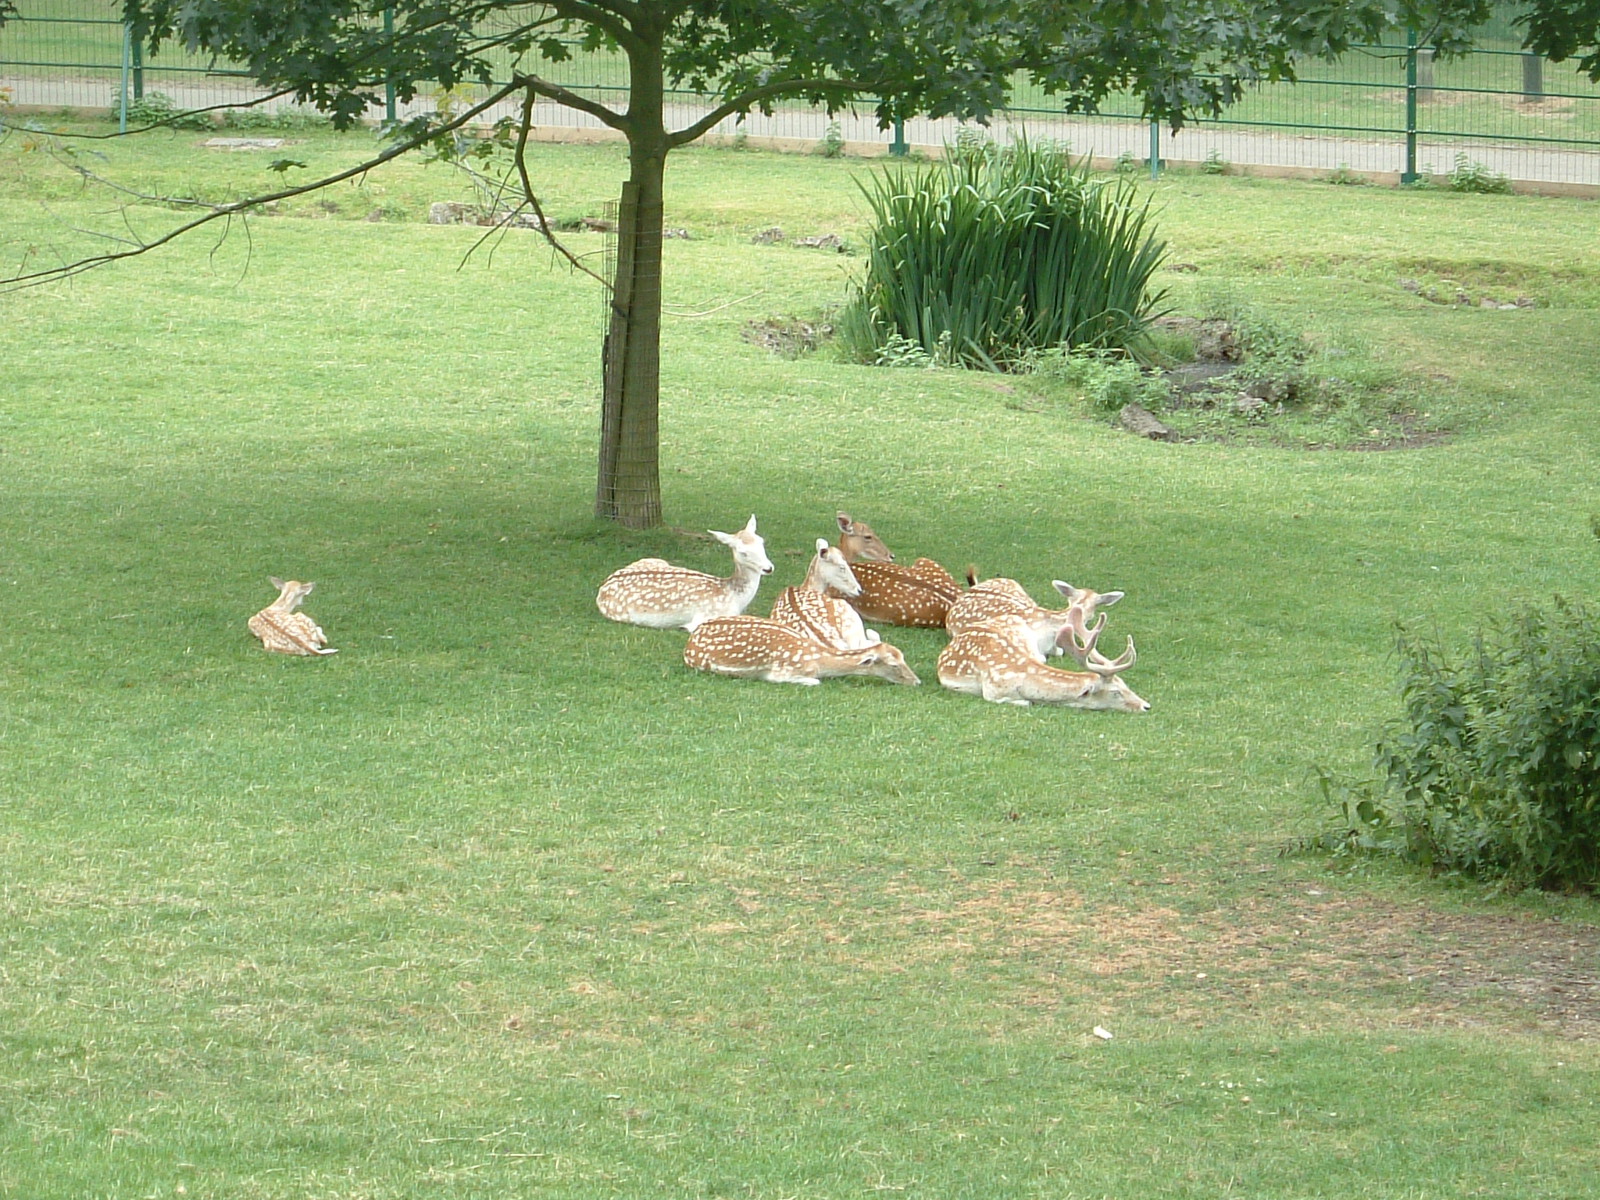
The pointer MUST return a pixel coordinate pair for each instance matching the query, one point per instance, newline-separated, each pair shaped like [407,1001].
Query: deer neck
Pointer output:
[813,580]
[742,584]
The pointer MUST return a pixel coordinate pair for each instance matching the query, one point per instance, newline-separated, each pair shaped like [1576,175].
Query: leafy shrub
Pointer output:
[1270,352]
[1003,252]
[1107,380]
[1495,769]
[1345,176]
[1472,176]
[1214,164]
[832,144]
[293,118]
[158,108]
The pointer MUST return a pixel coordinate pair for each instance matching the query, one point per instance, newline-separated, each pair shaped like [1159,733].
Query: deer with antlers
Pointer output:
[999,661]
[284,631]
[919,596]
[810,610]
[1006,597]
[758,648]
[654,593]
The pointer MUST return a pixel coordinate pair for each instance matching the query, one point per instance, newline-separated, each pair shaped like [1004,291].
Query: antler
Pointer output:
[1078,639]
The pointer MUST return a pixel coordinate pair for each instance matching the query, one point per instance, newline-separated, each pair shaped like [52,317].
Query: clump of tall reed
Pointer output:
[995,253]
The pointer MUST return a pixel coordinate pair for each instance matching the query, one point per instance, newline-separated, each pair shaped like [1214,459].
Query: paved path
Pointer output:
[1241,147]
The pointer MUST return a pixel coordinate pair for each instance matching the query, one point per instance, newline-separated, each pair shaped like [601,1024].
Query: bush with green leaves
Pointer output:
[1107,380]
[1001,252]
[1469,175]
[1495,769]
[158,108]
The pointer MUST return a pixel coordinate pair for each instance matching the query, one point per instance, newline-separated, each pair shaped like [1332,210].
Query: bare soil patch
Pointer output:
[1295,949]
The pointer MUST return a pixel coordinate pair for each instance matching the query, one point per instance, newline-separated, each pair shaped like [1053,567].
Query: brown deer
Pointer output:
[284,631]
[654,593]
[1000,597]
[919,595]
[758,648]
[809,609]
[999,661]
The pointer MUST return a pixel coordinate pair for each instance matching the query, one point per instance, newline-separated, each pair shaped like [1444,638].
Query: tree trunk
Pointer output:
[628,489]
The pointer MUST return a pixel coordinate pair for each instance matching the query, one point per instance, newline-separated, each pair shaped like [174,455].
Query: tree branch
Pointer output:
[561,95]
[747,100]
[67,270]
[533,201]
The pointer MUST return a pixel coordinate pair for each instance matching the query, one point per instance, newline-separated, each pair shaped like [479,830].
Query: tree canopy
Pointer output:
[904,57]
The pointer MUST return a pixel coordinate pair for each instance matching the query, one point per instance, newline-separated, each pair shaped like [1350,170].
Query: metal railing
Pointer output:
[1384,110]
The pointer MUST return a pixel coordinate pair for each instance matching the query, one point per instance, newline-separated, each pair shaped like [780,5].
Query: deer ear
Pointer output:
[275,581]
[869,658]
[844,521]
[822,545]
[309,587]
[1110,598]
[1066,589]
[725,538]
[750,525]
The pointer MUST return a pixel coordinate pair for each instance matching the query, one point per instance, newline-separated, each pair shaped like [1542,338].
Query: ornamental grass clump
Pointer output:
[1495,769]
[990,256]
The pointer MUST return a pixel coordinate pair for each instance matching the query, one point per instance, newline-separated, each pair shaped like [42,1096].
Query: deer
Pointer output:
[654,593]
[918,596]
[760,648]
[999,596]
[810,610]
[284,631]
[999,660]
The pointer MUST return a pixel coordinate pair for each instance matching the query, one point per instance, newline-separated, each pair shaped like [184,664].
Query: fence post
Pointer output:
[388,86]
[1155,150]
[1409,175]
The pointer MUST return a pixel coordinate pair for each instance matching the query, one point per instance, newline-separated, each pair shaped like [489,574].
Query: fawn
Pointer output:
[285,631]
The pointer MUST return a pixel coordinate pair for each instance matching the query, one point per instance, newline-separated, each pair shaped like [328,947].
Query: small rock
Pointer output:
[768,237]
[1249,405]
[1136,418]
[449,212]
[224,143]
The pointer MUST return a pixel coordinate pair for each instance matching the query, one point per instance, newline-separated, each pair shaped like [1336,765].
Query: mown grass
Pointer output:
[502,901]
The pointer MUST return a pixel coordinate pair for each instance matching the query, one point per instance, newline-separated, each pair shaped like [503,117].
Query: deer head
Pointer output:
[291,593]
[749,550]
[1085,598]
[829,569]
[858,542]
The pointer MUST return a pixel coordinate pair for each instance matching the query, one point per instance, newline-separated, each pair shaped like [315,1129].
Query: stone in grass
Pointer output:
[1136,418]
[226,143]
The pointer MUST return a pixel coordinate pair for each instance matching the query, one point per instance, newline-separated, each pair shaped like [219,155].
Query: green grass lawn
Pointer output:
[502,901]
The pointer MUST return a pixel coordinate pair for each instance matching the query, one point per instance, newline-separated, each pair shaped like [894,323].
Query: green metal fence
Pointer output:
[1385,109]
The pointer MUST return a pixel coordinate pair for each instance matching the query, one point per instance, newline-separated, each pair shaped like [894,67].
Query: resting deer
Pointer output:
[758,648]
[1002,597]
[284,631]
[808,609]
[999,661]
[919,595]
[654,593]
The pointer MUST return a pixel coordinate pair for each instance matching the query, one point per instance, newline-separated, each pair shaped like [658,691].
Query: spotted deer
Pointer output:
[284,631]
[999,597]
[919,595]
[809,609]
[758,648]
[999,661]
[654,593]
